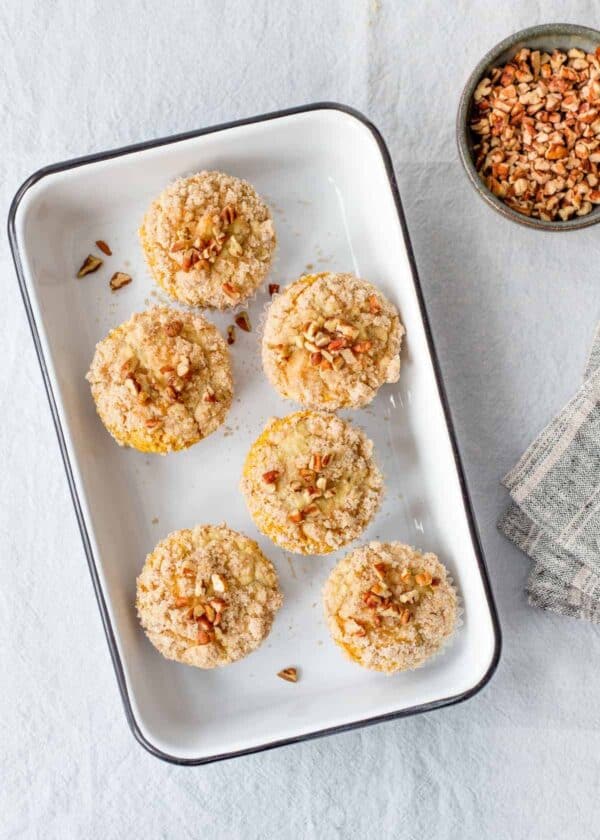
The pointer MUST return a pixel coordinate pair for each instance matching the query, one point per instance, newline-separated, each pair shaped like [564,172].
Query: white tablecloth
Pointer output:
[512,312]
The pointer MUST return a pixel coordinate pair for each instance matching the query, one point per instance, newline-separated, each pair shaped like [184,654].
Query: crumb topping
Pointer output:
[311,483]
[162,380]
[389,606]
[330,341]
[209,240]
[207,596]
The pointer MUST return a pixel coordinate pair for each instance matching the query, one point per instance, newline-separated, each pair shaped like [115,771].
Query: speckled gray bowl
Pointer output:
[547,37]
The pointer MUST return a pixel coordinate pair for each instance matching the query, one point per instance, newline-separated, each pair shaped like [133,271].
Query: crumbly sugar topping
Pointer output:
[207,596]
[330,341]
[311,483]
[209,240]
[389,606]
[162,380]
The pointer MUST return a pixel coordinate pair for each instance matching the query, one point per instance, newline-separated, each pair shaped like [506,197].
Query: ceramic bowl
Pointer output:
[547,37]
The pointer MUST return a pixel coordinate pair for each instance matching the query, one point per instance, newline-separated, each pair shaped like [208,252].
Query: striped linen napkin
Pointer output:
[554,516]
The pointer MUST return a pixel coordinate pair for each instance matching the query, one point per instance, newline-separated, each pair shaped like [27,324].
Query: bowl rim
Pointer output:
[462,126]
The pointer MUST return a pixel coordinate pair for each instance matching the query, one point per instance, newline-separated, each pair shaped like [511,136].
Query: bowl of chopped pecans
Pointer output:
[528,127]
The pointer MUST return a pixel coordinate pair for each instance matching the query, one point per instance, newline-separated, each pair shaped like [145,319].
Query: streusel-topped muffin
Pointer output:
[207,596]
[162,380]
[389,607]
[330,341]
[311,483]
[208,240]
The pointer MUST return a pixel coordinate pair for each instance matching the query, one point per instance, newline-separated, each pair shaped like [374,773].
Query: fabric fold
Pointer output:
[554,516]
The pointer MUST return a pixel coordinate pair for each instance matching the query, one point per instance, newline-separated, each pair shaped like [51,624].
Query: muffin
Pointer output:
[207,596]
[311,483]
[389,607]
[162,380]
[208,240]
[331,341]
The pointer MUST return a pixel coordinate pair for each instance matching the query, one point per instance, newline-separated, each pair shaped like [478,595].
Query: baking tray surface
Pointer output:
[327,174]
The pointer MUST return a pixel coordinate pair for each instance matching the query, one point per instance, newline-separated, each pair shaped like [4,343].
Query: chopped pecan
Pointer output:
[288,674]
[230,290]
[228,214]
[90,264]
[374,305]
[102,245]
[535,116]
[243,321]
[119,279]
[180,245]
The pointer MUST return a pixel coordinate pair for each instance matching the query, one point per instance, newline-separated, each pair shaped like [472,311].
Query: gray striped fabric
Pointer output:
[554,516]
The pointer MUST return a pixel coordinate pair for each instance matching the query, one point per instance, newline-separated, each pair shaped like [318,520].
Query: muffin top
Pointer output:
[209,240]
[207,596]
[311,483]
[330,341]
[162,380]
[389,606]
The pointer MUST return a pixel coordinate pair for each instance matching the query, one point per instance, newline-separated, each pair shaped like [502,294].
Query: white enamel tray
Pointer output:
[327,174]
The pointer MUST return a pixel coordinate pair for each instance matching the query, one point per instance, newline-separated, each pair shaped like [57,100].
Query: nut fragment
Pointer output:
[316,462]
[119,279]
[336,344]
[182,602]
[538,127]
[273,288]
[423,579]
[132,384]
[230,290]
[204,621]
[228,214]
[183,368]
[231,335]
[354,627]
[288,674]
[218,604]
[374,305]
[90,264]
[218,584]
[180,245]
[243,321]
[380,570]
[101,244]
[203,637]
